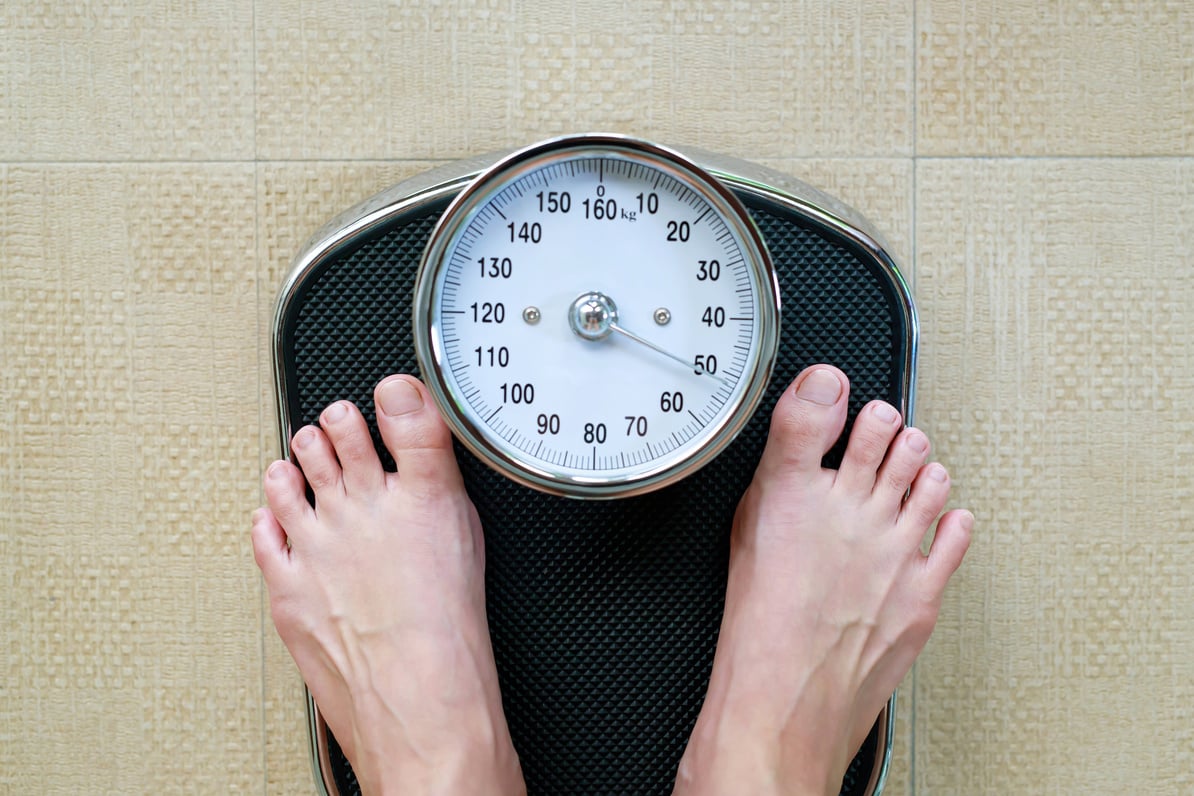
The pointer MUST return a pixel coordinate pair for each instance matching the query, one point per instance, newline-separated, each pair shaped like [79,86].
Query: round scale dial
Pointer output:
[596,316]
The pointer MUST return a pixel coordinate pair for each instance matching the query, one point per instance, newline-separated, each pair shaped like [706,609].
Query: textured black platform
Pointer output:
[604,615]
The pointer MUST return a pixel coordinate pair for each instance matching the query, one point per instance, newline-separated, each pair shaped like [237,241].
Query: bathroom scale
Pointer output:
[605,324]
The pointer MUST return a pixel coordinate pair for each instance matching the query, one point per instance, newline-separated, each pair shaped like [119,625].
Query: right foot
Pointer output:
[829,598]
[378,591]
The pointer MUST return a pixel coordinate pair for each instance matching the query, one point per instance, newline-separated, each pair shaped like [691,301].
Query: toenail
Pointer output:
[820,387]
[258,515]
[304,438]
[398,397]
[918,442]
[335,412]
[276,470]
[937,473]
[886,413]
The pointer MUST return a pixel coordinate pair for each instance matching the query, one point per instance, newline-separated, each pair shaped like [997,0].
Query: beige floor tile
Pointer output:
[128,466]
[423,80]
[1058,362]
[123,80]
[1063,77]
[136,410]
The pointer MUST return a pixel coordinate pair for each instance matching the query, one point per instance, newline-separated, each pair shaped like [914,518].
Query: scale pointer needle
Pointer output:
[626,333]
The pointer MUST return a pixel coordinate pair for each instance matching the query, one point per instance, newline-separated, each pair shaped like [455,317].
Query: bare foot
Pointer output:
[378,591]
[829,599]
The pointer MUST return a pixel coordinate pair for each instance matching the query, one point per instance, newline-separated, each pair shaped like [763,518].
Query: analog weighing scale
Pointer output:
[605,324]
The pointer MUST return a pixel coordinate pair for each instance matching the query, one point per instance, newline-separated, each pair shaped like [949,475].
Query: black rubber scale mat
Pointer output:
[604,615]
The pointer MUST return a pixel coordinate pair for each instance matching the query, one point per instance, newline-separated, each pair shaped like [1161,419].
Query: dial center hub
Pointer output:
[593,316]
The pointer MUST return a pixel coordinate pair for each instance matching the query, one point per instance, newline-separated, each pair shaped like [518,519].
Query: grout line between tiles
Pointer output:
[262,607]
[432,161]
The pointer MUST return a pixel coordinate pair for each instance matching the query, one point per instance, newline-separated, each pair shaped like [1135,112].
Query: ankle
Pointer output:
[733,751]
[475,756]
[714,774]
[483,773]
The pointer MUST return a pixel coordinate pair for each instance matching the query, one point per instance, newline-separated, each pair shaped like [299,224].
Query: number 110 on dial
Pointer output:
[596,316]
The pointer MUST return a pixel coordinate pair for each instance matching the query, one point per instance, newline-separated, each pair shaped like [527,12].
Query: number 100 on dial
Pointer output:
[596,316]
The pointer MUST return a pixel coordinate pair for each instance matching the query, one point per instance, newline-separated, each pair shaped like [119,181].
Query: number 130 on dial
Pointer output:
[596,316]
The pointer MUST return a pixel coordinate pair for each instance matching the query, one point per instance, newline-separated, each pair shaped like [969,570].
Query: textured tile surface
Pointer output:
[136,409]
[765,79]
[131,618]
[126,81]
[1061,77]
[1057,373]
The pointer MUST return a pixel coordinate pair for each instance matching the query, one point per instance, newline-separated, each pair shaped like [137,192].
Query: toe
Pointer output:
[270,550]
[949,545]
[414,433]
[874,429]
[346,429]
[904,459]
[286,494]
[314,453]
[807,420]
[924,503]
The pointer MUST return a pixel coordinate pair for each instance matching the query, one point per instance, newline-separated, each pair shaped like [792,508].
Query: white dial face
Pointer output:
[597,319]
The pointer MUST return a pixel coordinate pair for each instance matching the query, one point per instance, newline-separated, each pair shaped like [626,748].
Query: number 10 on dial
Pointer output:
[596,316]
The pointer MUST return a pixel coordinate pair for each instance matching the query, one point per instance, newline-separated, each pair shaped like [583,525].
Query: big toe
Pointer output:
[808,419]
[414,432]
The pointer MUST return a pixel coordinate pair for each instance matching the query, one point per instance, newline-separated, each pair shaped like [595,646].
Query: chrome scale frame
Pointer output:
[448,181]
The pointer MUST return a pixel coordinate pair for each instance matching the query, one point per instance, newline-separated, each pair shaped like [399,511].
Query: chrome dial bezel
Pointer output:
[512,462]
